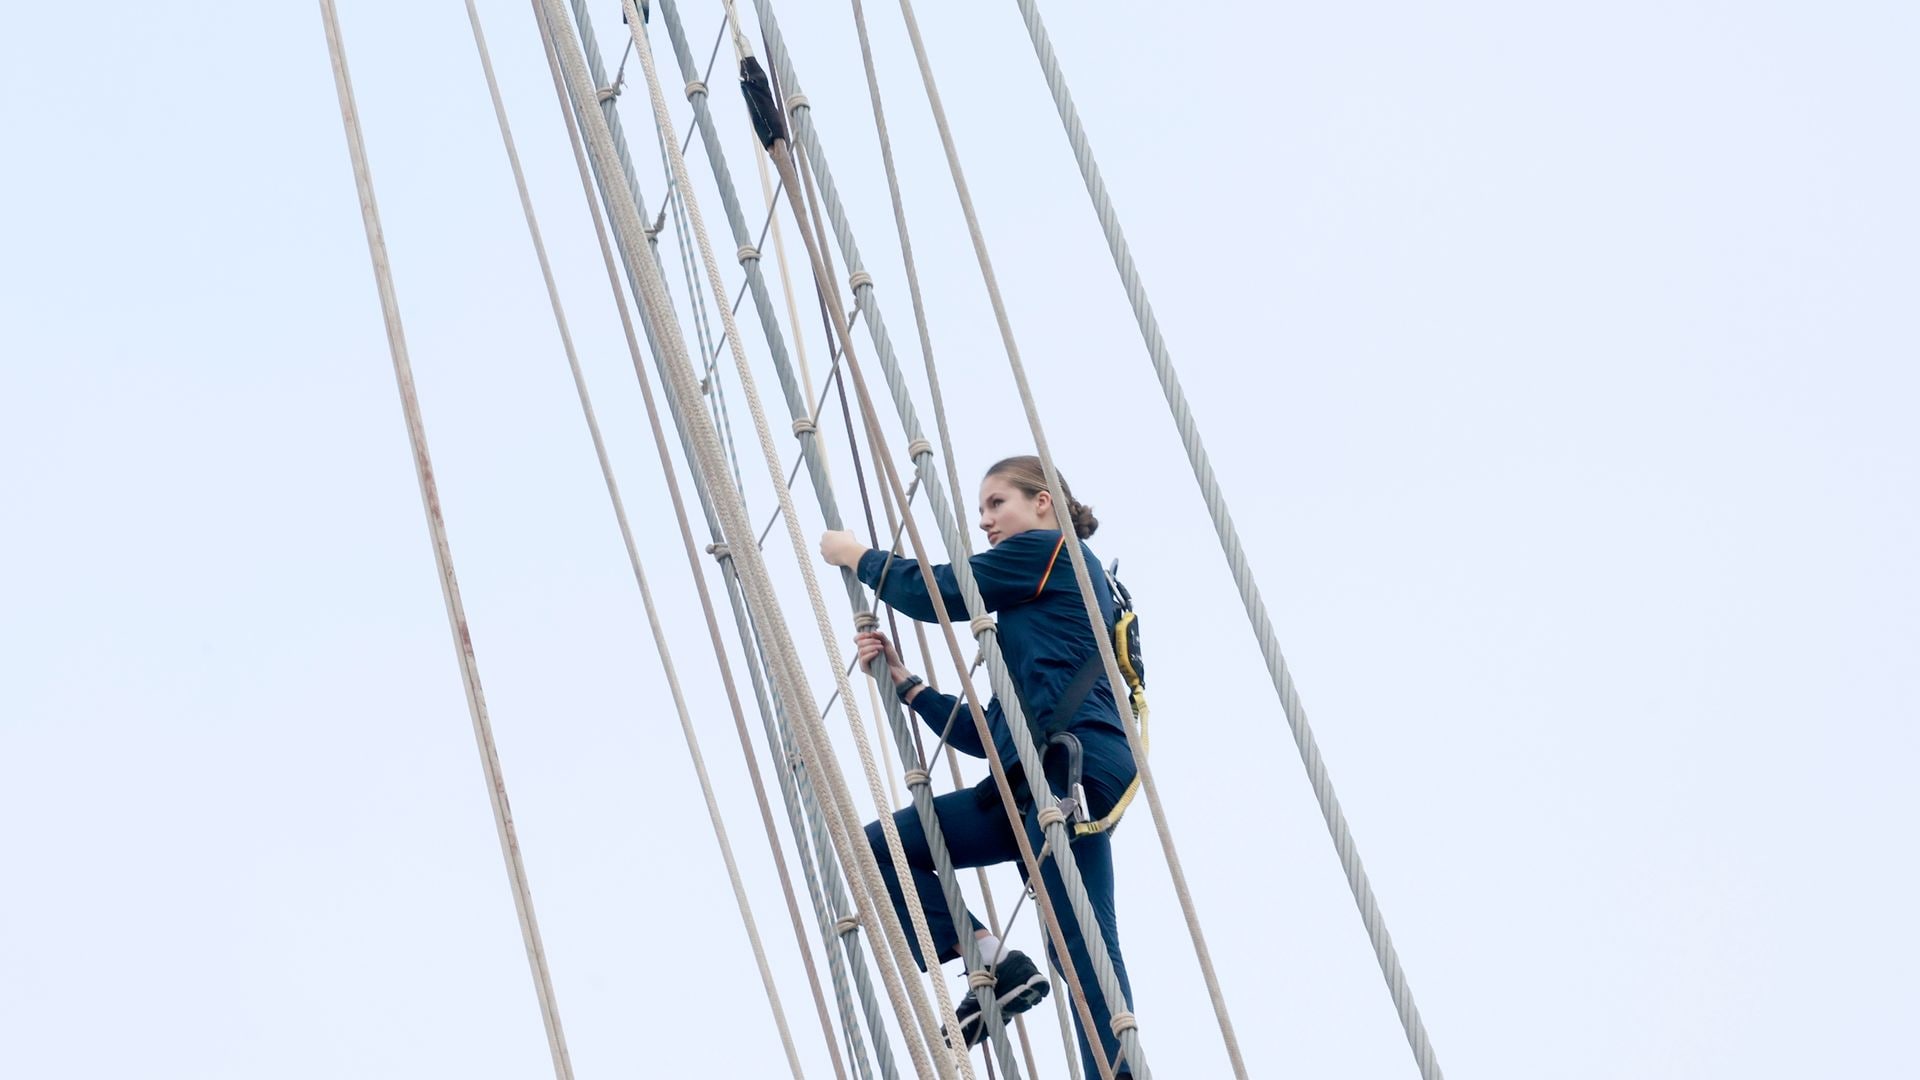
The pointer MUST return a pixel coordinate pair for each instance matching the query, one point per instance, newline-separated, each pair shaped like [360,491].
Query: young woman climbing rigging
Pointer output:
[1025,578]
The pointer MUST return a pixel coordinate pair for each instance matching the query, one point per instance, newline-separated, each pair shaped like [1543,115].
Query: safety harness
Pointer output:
[1050,728]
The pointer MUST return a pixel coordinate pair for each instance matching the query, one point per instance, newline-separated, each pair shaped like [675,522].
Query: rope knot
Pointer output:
[608,93]
[796,102]
[982,625]
[980,980]
[1050,816]
[696,87]
[720,551]
[918,447]
[803,425]
[864,621]
[848,925]
[747,251]
[917,778]
[859,278]
[1123,1022]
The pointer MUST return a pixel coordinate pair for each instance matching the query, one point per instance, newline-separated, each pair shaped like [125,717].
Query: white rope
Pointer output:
[443,552]
[663,118]
[653,617]
[923,801]
[1096,622]
[1235,552]
[808,815]
[746,557]
[742,48]
[1077,896]
[812,456]
[997,670]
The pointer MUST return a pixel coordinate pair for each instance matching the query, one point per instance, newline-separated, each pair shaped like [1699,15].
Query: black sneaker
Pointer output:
[1018,985]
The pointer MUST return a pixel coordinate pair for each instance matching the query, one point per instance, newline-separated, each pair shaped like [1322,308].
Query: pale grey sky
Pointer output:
[1559,365]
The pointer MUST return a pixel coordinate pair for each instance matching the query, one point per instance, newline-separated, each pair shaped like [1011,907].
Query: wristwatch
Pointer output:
[902,689]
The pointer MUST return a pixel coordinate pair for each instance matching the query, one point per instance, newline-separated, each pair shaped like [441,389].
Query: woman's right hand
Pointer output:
[873,643]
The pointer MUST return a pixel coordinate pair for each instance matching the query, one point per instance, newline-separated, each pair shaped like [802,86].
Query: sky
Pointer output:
[1558,365]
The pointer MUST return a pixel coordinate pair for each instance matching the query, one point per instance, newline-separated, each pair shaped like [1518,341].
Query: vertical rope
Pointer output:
[828,293]
[792,745]
[1096,622]
[810,447]
[913,272]
[997,670]
[653,618]
[802,554]
[443,552]
[746,556]
[1235,552]
[984,629]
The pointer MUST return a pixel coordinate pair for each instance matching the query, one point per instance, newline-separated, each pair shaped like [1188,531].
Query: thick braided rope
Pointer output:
[902,400]
[443,551]
[844,953]
[1096,622]
[822,827]
[1235,552]
[753,572]
[982,627]
[943,514]
[776,471]
[653,618]
[922,797]
[812,456]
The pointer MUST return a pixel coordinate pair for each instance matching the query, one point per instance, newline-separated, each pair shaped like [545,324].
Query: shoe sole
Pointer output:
[1012,1003]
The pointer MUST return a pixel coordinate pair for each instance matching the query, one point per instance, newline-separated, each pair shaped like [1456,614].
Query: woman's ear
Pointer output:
[1043,503]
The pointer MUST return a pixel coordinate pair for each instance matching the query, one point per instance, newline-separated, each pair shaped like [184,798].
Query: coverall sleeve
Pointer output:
[935,708]
[1011,573]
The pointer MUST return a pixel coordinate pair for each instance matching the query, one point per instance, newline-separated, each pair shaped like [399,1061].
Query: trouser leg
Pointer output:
[975,836]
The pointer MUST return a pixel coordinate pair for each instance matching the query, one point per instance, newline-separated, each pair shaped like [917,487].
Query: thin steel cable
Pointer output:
[715,388]
[663,118]
[790,682]
[443,551]
[697,299]
[1235,552]
[653,617]
[713,54]
[1096,622]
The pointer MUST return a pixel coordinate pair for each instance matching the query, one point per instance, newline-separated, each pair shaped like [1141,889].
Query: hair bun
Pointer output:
[1084,523]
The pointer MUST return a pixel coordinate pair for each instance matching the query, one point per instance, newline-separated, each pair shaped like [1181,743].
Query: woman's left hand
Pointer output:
[841,548]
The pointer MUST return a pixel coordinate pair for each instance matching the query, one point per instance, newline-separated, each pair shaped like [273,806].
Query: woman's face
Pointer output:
[1006,511]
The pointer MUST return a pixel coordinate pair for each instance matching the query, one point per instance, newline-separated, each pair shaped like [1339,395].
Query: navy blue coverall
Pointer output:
[1027,580]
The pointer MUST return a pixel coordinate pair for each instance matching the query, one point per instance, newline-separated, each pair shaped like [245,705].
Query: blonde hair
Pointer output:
[1025,472]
